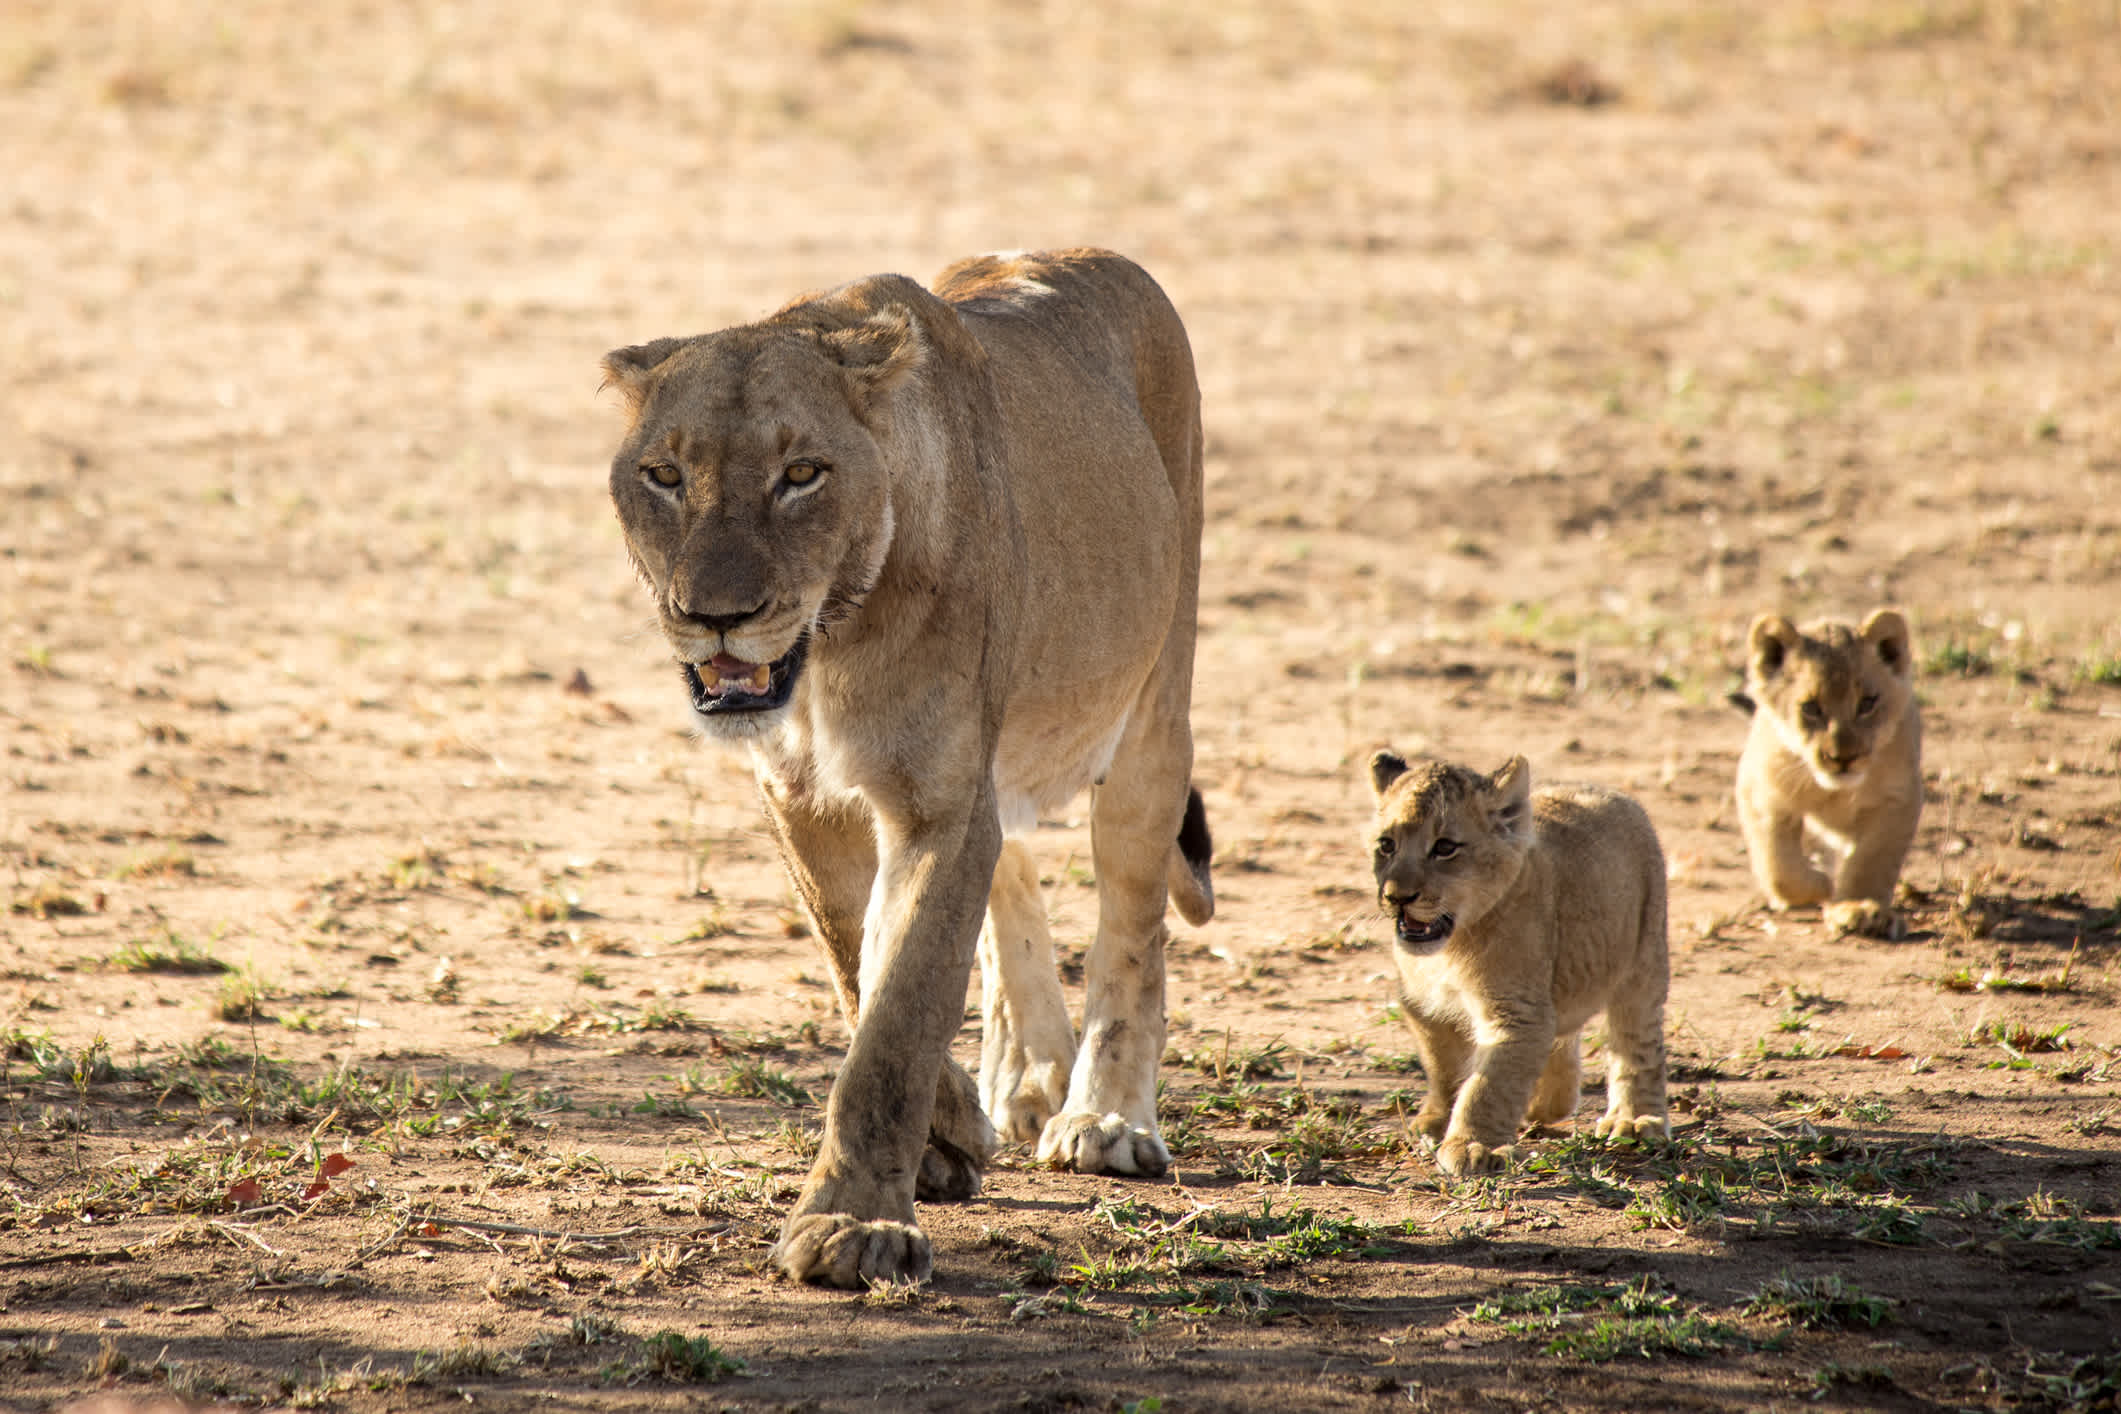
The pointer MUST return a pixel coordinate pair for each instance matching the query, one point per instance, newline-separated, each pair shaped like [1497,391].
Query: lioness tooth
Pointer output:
[761,678]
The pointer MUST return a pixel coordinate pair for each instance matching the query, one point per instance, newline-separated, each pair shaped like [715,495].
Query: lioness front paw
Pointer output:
[839,1249]
[1090,1143]
[1633,1126]
[1459,1155]
[1865,917]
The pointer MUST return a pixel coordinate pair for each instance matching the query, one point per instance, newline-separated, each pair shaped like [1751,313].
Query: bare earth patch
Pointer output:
[401,1010]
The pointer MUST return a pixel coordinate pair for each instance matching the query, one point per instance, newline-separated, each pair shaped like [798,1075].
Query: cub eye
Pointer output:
[1868,705]
[1812,714]
[664,475]
[1443,849]
[802,473]
[1387,847]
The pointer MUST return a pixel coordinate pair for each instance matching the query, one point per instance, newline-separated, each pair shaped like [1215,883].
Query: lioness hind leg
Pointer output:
[1109,1121]
[960,1140]
[1028,1044]
[1635,1103]
[1560,1084]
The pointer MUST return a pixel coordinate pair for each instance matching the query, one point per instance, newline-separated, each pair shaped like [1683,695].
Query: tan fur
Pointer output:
[933,557]
[1517,917]
[1835,754]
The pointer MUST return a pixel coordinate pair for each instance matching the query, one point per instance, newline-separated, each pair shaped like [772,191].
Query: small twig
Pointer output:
[91,1256]
[231,1231]
[512,1230]
[373,1249]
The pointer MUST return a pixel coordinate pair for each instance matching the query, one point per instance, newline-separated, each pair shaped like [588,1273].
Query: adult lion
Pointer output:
[934,559]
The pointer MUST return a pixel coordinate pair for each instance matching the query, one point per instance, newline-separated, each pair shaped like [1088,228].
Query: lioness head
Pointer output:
[753,489]
[1835,692]
[1449,844]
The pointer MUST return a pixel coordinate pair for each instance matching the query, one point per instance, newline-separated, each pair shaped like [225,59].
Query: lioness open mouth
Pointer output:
[724,684]
[1422,935]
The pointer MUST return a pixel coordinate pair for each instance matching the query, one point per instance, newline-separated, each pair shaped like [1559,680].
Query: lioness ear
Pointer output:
[1510,790]
[1385,768]
[628,369]
[880,351]
[1772,638]
[1886,631]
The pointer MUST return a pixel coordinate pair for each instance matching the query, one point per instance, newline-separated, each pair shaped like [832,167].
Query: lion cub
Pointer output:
[1836,746]
[1520,916]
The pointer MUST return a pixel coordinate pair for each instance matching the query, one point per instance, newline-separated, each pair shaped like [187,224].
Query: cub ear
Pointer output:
[1385,768]
[879,352]
[628,369]
[1886,631]
[1771,639]
[1510,795]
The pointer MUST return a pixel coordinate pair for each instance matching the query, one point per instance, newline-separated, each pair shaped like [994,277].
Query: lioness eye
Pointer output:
[801,473]
[1386,847]
[664,474]
[1868,705]
[1811,713]
[1443,849]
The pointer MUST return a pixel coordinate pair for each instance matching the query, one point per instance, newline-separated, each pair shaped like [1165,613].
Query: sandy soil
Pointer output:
[349,814]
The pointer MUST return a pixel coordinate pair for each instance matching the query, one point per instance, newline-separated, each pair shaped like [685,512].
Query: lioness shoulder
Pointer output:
[1830,784]
[1517,916]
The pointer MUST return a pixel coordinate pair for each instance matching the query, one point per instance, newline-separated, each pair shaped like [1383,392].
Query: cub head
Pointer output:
[753,490]
[1448,843]
[1835,692]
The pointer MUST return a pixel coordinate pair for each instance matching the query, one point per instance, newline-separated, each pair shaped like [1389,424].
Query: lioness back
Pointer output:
[1519,915]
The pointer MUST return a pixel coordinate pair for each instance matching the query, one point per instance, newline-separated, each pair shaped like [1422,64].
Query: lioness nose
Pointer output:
[722,623]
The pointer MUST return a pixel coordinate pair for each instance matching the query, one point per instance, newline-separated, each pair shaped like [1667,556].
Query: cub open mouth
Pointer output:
[1419,934]
[730,685]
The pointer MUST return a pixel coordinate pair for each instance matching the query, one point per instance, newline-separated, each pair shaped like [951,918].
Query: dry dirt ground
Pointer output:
[402,1011]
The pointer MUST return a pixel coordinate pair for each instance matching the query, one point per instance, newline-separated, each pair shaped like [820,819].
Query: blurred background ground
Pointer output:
[347,801]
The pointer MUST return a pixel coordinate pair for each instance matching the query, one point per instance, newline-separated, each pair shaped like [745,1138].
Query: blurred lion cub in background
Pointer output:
[1834,760]
[1518,917]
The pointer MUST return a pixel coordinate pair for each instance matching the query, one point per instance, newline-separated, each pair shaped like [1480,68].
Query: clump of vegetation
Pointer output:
[170,954]
[241,998]
[1643,1318]
[752,1079]
[679,1359]
[1821,1302]
[48,900]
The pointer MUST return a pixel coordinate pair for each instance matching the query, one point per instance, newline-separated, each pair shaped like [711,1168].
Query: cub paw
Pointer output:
[1460,1156]
[1090,1143]
[1864,917]
[839,1249]
[1624,1126]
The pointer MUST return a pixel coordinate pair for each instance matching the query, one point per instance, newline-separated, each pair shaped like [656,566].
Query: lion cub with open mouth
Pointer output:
[1519,916]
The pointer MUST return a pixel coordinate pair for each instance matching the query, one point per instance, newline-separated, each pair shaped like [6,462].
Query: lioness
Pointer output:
[934,559]
[1518,917]
[1836,746]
